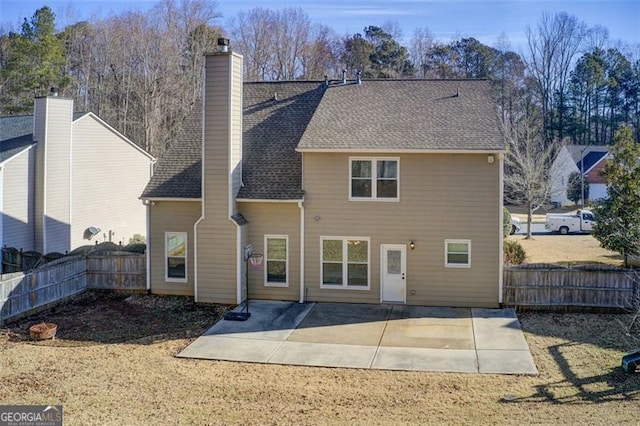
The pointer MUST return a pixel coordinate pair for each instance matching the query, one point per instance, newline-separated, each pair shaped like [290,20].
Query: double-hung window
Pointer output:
[175,244]
[374,179]
[457,253]
[276,256]
[345,262]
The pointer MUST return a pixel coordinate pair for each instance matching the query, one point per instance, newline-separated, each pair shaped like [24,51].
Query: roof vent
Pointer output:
[53,92]
[344,76]
[223,45]
[326,80]
[275,96]
[359,77]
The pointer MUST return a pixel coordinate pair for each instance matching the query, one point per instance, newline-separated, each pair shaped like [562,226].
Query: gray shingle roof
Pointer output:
[16,135]
[177,173]
[406,114]
[272,169]
[279,117]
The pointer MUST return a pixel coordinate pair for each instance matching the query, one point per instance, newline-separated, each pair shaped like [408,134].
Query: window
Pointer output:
[457,253]
[276,270]
[345,262]
[374,179]
[176,256]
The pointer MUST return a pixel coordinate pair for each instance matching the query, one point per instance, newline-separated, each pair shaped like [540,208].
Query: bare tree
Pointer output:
[251,34]
[282,45]
[421,47]
[528,161]
[552,46]
[141,71]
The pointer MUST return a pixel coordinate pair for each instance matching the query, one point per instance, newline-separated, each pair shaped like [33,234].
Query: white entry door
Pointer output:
[393,265]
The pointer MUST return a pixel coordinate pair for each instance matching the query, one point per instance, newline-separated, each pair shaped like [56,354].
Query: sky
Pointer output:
[446,19]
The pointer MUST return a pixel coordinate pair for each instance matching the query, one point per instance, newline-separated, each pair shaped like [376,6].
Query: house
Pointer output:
[67,178]
[586,159]
[381,191]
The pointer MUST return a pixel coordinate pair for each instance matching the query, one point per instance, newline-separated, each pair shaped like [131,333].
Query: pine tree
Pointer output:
[36,62]
[618,217]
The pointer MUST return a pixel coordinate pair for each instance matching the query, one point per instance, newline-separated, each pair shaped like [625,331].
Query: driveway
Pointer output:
[387,337]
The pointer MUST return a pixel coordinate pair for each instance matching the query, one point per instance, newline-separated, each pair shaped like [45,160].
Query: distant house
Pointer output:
[378,191]
[586,159]
[66,179]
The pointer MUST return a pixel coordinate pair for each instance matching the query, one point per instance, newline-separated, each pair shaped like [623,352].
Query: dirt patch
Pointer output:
[124,371]
[566,249]
[97,317]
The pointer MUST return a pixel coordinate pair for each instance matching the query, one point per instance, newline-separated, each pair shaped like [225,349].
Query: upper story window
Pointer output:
[374,179]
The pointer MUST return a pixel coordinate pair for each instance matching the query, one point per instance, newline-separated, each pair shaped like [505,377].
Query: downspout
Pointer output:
[44,176]
[239,262]
[501,243]
[148,250]
[70,206]
[301,207]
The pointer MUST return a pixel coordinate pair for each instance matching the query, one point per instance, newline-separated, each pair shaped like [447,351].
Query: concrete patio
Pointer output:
[387,337]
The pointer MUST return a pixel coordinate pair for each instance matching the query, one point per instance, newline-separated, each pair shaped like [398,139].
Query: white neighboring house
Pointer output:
[65,176]
[590,159]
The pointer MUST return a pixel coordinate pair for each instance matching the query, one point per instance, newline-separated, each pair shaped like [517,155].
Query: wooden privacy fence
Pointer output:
[120,272]
[550,286]
[24,293]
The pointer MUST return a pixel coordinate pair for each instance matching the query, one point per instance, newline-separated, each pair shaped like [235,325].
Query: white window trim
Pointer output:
[374,179]
[446,252]
[186,259]
[276,284]
[345,264]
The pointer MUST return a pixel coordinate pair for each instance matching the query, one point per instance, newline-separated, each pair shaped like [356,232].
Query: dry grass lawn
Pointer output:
[113,363]
[566,249]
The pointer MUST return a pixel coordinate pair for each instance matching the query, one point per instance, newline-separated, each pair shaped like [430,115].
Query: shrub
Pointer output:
[140,248]
[513,253]
[506,222]
[137,239]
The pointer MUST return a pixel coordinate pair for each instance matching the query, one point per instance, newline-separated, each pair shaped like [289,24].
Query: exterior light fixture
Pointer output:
[491,159]
[412,245]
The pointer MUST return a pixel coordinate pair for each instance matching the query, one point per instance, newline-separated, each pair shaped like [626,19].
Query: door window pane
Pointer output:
[394,262]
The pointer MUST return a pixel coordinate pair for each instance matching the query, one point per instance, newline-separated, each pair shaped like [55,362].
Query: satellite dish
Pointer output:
[91,232]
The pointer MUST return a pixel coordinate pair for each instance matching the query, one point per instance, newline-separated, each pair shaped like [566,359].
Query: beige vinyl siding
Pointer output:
[442,196]
[171,216]
[274,219]
[217,234]
[18,186]
[57,143]
[109,174]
